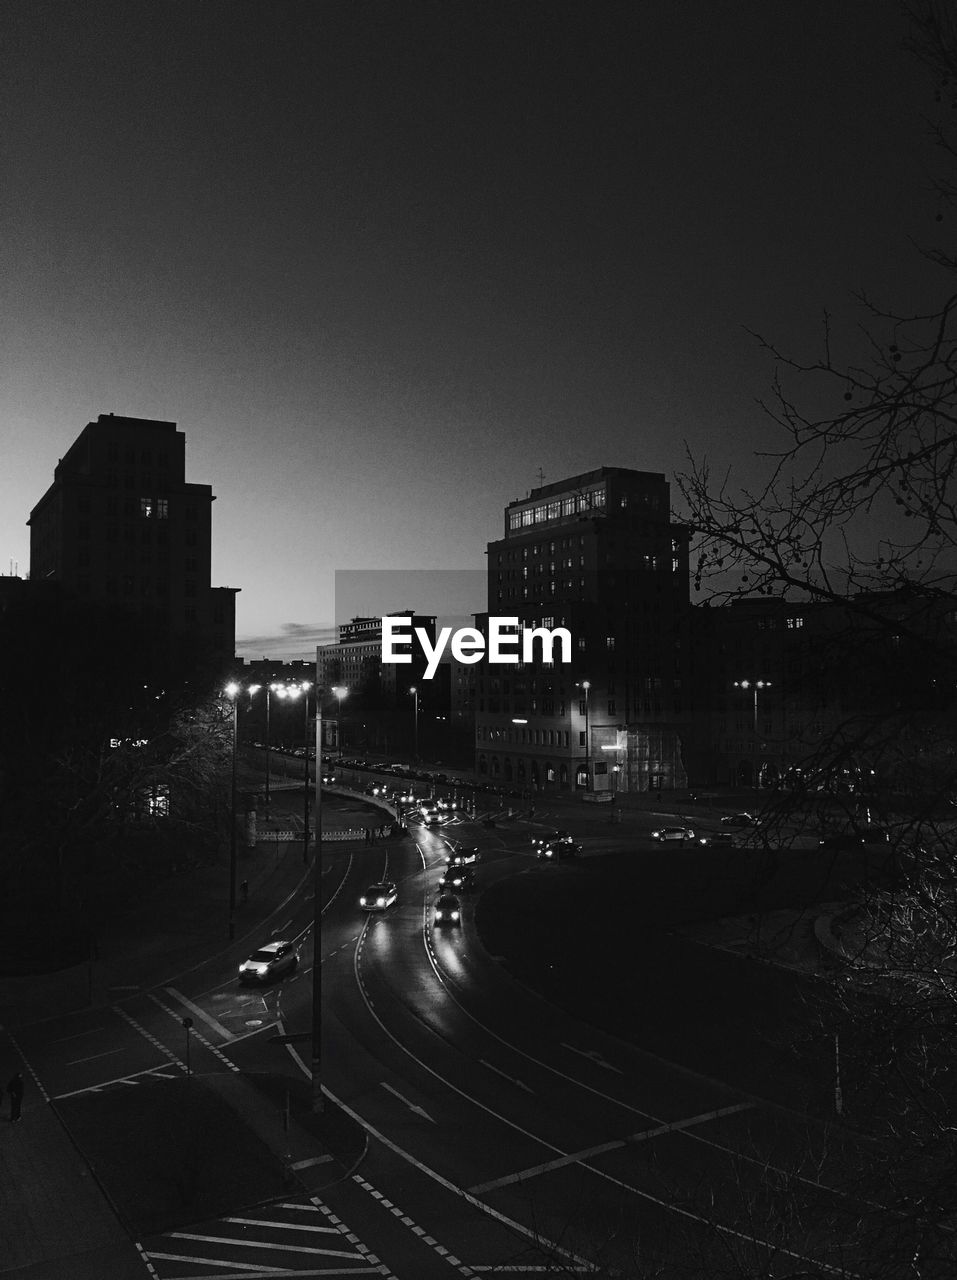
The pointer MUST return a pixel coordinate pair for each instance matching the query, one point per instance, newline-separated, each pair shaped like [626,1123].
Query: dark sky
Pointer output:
[382,262]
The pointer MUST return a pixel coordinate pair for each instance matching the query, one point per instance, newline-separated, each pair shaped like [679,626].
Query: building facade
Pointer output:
[121,526]
[598,555]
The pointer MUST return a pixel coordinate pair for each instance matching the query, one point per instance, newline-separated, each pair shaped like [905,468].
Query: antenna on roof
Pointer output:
[541,477]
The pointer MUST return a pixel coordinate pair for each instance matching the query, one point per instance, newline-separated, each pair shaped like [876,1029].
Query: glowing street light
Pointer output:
[232,691]
[415,729]
[586,685]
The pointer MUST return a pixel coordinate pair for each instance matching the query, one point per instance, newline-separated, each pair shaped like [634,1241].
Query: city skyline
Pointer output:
[382,266]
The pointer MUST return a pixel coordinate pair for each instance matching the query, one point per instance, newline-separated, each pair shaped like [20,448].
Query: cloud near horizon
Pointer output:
[293,640]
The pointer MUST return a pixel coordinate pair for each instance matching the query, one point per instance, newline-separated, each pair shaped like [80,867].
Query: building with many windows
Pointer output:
[121,527]
[598,555]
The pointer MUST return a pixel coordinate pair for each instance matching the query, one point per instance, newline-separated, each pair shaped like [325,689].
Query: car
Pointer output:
[457,880]
[448,911]
[723,838]
[552,837]
[555,850]
[680,834]
[462,857]
[739,820]
[328,778]
[379,896]
[271,961]
[434,817]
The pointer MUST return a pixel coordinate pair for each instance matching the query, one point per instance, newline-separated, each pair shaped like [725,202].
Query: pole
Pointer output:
[587,745]
[267,748]
[838,1095]
[305,782]
[317,1099]
[232,826]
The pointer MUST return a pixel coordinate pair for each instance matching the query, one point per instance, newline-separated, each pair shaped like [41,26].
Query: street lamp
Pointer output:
[415,729]
[586,685]
[232,692]
[292,692]
[318,1103]
[757,686]
[341,692]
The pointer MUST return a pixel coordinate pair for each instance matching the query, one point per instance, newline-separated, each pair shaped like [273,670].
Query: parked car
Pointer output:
[379,896]
[739,820]
[448,911]
[272,960]
[679,834]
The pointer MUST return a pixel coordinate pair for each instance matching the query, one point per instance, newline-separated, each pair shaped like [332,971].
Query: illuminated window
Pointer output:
[146,508]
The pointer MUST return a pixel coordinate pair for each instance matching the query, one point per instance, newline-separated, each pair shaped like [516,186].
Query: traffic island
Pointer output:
[173,1151]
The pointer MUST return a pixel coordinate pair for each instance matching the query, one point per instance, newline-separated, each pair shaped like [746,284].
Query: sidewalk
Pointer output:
[71,1201]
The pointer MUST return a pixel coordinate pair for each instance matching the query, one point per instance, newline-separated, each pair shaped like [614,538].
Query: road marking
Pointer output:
[511,1079]
[157,1044]
[305,1164]
[518,1227]
[197,1035]
[589,1153]
[263,1244]
[364,1252]
[594,1056]
[64,1039]
[284,1226]
[93,1057]
[406,1221]
[249,1270]
[200,1013]
[411,1105]
[131,1079]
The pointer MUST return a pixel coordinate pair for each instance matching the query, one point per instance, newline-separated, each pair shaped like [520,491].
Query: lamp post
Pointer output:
[415,724]
[270,689]
[292,692]
[232,692]
[340,691]
[757,686]
[318,1103]
[586,685]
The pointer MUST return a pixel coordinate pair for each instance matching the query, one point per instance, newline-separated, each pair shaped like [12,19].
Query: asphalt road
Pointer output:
[504,1132]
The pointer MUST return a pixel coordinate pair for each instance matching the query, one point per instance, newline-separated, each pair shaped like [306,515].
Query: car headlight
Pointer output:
[380,902]
[362,902]
[455,915]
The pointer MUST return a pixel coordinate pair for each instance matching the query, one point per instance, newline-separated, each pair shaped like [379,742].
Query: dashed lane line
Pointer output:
[213,1049]
[147,1035]
[365,1253]
[440,1249]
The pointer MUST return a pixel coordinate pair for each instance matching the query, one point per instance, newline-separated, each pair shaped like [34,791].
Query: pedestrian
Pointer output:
[244,890]
[15,1090]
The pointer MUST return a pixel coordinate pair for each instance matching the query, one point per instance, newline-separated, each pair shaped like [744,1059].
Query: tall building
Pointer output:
[378,711]
[597,554]
[121,527]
